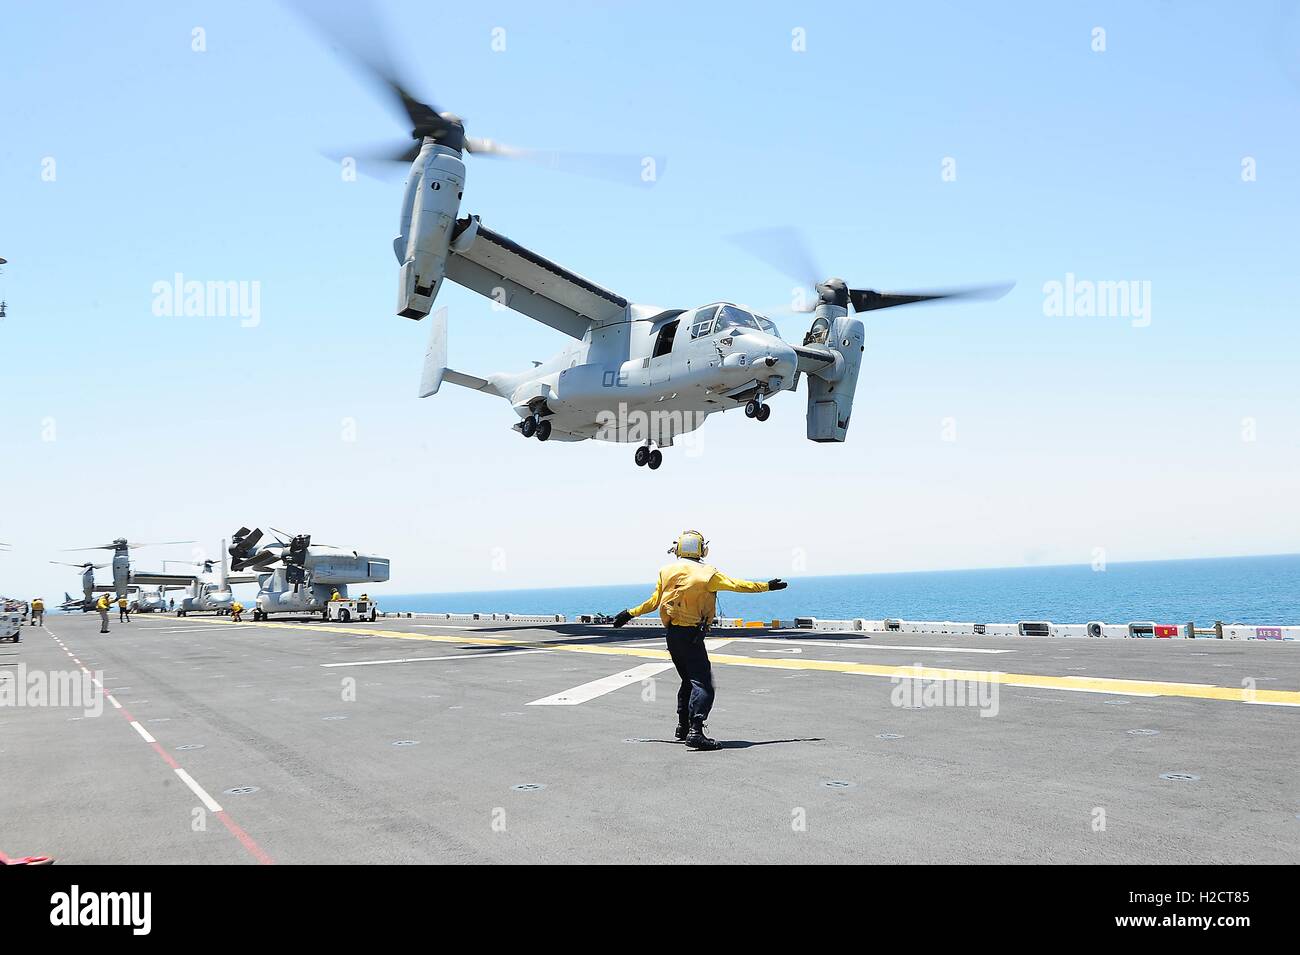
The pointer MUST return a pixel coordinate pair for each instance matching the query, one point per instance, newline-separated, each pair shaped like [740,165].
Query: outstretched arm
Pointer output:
[721,581]
[651,604]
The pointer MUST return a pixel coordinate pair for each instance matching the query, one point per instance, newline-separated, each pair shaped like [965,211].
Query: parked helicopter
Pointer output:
[636,373]
[308,573]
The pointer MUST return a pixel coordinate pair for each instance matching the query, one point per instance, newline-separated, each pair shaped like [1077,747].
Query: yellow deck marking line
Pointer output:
[1196,691]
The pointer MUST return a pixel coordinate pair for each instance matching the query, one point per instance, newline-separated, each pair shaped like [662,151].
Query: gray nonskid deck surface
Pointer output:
[820,765]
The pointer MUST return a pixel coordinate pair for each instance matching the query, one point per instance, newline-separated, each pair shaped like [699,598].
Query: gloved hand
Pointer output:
[622,619]
[777,583]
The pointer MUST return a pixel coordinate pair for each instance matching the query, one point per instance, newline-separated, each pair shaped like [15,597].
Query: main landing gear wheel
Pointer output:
[543,430]
[529,427]
[756,409]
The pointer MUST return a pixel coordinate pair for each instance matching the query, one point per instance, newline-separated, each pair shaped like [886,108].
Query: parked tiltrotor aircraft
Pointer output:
[210,589]
[125,580]
[308,573]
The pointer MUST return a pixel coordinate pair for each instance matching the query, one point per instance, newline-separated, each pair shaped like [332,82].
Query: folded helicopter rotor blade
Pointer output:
[244,541]
[133,544]
[869,300]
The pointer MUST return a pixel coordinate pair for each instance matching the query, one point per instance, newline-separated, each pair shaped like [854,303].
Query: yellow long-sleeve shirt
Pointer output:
[686,593]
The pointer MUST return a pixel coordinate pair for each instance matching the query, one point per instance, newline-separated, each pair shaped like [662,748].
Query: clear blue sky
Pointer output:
[1072,433]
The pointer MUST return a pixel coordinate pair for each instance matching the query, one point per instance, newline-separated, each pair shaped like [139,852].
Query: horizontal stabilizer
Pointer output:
[469,381]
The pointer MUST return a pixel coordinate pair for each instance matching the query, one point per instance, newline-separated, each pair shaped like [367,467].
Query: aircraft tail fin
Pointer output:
[435,363]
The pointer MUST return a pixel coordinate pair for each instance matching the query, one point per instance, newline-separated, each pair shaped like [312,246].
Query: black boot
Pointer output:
[683,729]
[696,739]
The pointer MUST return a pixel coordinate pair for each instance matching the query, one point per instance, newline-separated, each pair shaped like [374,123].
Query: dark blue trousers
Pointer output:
[686,647]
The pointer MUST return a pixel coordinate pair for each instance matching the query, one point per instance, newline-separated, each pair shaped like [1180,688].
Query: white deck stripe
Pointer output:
[143,732]
[453,656]
[198,790]
[607,684]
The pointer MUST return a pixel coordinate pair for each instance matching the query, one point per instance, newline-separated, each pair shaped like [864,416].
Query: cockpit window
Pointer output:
[731,317]
[702,321]
[768,325]
[819,333]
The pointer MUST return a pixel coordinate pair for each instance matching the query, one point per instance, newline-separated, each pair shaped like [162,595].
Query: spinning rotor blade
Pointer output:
[68,550]
[65,563]
[783,249]
[133,545]
[869,300]
[355,30]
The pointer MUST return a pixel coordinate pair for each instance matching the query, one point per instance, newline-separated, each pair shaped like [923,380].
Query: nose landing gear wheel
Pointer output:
[642,456]
[763,413]
[529,427]
[751,409]
[543,430]
[656,458]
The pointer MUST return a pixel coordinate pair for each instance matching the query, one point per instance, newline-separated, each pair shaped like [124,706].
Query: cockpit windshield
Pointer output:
[719,318]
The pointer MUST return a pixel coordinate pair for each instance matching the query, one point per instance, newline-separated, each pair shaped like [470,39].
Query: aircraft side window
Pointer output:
[820,332]
[702,321]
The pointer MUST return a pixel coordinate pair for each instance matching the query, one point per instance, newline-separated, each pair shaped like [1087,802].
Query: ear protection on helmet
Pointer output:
[690,545]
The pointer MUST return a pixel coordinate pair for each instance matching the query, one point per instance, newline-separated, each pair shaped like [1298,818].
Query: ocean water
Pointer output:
[1259,590]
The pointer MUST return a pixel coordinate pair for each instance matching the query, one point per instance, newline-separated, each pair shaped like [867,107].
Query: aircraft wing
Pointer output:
[155,580]
[242,579]
[492,265]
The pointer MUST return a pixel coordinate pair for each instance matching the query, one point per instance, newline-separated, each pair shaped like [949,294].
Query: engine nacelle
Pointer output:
[429,210]
[830,390]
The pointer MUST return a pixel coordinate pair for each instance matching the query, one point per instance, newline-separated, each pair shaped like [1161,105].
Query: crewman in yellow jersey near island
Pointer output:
[236,609]
[686,598]
[102,605]
[336,595]
[123,610]
[38,612]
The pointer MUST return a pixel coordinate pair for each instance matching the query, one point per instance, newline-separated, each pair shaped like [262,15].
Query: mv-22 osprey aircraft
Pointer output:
[634,373]
[125,579]
[308,575]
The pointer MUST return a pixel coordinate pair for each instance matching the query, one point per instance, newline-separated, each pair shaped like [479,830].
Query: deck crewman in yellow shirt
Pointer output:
[123,610]
[686,598]
[102,605]
[236,609]
[38,612]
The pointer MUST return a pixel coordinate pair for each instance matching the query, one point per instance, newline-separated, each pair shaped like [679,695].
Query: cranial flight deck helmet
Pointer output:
[690,545]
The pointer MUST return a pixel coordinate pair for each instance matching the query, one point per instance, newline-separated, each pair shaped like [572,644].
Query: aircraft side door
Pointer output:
[662,357]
